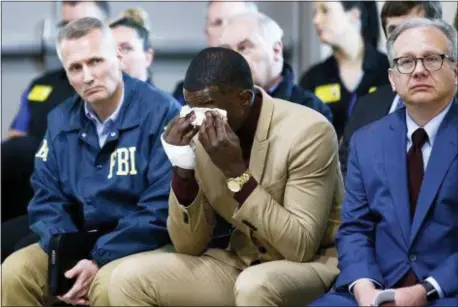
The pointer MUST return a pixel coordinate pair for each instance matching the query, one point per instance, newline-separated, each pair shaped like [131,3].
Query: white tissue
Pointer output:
[200,114]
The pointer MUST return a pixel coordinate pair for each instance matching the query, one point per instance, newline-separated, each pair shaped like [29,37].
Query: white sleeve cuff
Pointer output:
[436,286]
[376,284]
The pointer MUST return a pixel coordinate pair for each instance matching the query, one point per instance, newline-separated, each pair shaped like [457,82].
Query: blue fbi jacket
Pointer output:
[79,185]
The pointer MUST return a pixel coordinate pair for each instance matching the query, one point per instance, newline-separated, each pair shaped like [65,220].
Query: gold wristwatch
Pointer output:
[236,184]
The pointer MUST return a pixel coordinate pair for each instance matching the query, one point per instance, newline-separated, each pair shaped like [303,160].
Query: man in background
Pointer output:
[384,101]
[218,13]
[258,38]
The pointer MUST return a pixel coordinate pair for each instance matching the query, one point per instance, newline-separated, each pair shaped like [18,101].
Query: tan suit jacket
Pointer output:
[294,212]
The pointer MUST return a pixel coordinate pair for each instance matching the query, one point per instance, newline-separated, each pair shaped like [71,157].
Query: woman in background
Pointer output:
[132,34]
[355,68]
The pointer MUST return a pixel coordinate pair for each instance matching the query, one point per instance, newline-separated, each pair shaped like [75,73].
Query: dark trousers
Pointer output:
[18,155]
[16,235]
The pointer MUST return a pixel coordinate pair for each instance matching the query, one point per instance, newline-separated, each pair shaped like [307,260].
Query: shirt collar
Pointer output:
[275,86]
[90,113]
[431,128]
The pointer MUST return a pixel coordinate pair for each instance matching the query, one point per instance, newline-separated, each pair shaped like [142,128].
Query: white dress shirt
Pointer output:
[431,128]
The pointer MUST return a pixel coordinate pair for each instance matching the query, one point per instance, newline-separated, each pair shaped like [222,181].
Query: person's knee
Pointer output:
[254,287]
[14,268]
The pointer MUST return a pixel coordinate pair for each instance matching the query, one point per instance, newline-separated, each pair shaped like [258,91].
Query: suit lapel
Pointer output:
[394,149]
[445,149]
[261,143]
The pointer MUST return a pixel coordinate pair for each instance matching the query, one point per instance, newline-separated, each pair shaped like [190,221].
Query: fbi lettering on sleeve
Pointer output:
[328,93]
[39,93]
[43,151]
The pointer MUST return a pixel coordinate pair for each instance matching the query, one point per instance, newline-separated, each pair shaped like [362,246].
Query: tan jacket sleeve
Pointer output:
[190,228]
[296,227]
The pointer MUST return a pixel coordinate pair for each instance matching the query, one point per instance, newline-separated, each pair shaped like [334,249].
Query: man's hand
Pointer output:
[222,145]
[180,131]
[84,271]
[411,296]
[365,292]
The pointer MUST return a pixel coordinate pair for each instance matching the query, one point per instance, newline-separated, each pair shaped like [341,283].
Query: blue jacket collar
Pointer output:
[128,115]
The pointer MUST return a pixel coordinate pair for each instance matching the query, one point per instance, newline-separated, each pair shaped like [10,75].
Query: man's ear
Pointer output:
[278,51]
[149,56]
[391,76]
[246,97]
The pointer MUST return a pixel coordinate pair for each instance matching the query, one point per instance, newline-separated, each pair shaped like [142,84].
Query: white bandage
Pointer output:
[200,114]
[180,156]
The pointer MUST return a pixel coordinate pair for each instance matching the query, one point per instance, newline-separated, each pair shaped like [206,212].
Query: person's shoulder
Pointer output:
[64,113]
[296,117]
[51,77]
[376,128]
[316,74]
[154,98]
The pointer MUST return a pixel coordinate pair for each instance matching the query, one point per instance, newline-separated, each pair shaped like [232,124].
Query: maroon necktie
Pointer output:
[415,167]
[415,172]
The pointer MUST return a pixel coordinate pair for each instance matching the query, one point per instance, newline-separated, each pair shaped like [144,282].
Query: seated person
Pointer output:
[259,39]
[383,101]
[400,218]
[268,176]
[42,95]
[101,161]
[132,34]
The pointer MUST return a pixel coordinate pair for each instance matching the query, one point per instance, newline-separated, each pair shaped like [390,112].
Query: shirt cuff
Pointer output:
[185,189]
[352,285]
[242,195]
[436,286]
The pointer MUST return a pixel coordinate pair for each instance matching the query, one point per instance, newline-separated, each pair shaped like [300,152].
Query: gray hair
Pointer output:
[80,28]
[271,30]
[250,5]
[447,29]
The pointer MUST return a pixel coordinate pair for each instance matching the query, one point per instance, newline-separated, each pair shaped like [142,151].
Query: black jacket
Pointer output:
[367,109]
[290,91]
[324,80]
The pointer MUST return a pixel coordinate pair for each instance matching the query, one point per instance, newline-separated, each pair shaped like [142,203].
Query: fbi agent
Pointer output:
[324,79]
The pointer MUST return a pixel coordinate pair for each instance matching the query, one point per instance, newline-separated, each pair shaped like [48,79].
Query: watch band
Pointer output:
[431,292]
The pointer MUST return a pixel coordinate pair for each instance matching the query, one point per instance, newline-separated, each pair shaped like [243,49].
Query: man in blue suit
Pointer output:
[400,215]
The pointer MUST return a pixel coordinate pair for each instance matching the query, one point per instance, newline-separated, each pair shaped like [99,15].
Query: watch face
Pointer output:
[233,186]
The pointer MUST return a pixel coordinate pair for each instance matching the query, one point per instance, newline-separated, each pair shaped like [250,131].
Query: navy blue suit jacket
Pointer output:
[377,238]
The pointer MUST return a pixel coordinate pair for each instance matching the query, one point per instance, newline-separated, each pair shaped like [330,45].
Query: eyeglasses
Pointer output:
[434,62]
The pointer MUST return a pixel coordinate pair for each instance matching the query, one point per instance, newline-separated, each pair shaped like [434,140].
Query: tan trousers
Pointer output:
[182,280]
[24,278]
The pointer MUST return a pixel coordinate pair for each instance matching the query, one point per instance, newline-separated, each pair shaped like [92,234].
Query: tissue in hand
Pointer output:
[200,114]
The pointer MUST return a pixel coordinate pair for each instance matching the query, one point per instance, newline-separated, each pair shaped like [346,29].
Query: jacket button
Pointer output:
[99,166]
[413,258]
[262,249]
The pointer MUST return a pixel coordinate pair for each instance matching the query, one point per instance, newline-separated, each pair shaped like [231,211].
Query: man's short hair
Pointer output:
[448,30]
[104,6]
[80,28]
[432,10]
[270,29]
[218,66]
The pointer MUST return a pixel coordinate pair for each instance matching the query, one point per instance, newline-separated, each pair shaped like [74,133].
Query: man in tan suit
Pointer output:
[267,178]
